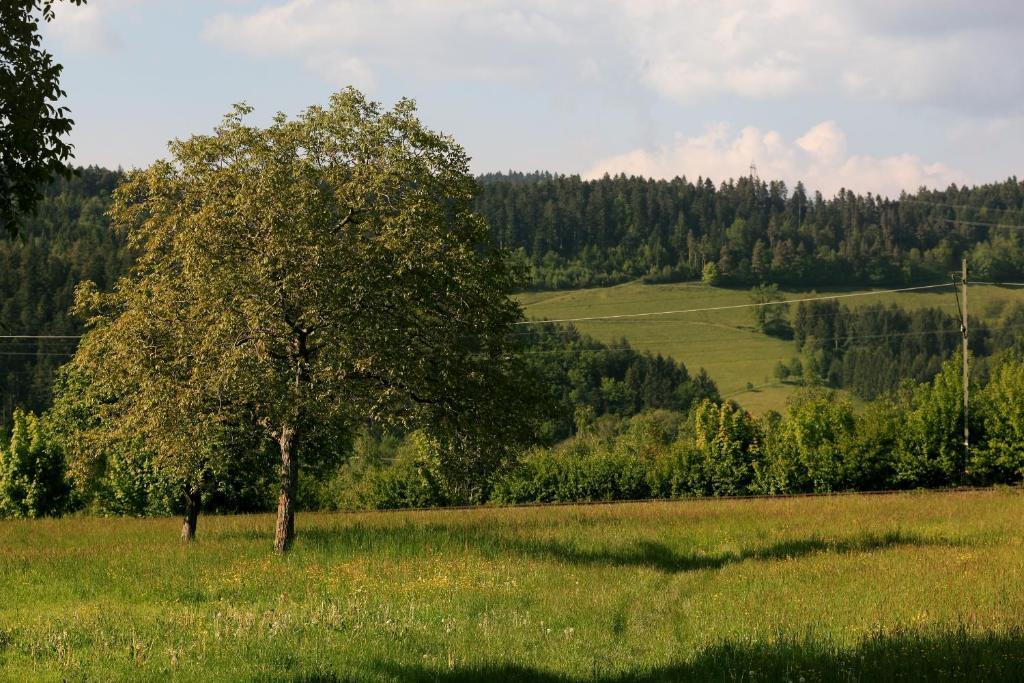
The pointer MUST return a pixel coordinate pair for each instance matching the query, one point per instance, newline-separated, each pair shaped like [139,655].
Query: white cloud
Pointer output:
[819,158]
[87,28]
[953,54]
[356,41]
[947,63]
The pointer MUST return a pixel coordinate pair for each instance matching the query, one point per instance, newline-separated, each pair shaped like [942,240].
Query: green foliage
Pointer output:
[808,449]
[728,439]
[132,484]
[115,472]
[578,378]
[870,350]
[582,470]
[67,240]
[781,371]
[821,444]
[929,445]
[709,274]
[408,483]
[33,475]
[32,125]
[305,278]
[1001,457]
[770,316]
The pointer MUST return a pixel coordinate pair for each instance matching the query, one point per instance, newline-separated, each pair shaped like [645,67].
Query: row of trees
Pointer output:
[69,458]
[574,233]
[910,438]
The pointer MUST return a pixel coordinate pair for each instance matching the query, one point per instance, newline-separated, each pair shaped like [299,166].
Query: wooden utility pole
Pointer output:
[963,332]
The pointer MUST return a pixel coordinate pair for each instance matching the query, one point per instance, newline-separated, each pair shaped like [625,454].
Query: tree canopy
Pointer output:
[32,126]
[304,278]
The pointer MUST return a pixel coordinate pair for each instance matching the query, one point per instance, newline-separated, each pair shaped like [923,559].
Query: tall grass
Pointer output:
[920,586]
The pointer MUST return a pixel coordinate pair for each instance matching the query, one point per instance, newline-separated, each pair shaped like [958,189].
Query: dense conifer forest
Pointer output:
[870,350]
[571,232]
[68,240]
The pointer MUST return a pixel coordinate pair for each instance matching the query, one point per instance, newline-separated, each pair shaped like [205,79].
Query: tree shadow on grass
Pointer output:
[661,557]
[411,540]
[955,655]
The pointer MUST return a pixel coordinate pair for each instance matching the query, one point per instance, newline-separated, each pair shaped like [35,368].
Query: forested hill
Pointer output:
[572,233]
[576,233]
[67,241]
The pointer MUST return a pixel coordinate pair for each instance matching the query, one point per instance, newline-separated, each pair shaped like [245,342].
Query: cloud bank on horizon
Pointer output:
[863,94]
[819,156]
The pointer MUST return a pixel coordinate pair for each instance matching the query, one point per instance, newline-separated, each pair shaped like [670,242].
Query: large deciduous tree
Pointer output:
[32,151]
[309,276]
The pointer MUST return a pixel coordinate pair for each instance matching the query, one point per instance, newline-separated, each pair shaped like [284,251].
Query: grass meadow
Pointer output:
[725,343]
[919,586]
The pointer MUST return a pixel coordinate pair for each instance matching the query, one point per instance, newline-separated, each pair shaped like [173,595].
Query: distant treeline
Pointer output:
[570,232]
[871,350]
[68,240]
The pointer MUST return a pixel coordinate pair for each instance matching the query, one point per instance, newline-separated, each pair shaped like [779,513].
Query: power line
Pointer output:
[733,307]
[981,224]
[958,206]
[40,336]
[70,338]
[35,354]
[808,338]
[731,327]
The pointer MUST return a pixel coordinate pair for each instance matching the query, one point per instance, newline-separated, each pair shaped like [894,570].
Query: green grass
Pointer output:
[920,586]
[725,343]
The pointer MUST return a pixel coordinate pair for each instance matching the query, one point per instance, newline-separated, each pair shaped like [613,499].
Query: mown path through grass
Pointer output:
[853,587]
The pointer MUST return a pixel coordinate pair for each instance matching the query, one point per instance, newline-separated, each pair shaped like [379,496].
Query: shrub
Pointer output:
[678,472]
[403,485]
[929,448]
[807,450]
[383,473]
[33,474]
[581,470]
[728,439]
[1001,457]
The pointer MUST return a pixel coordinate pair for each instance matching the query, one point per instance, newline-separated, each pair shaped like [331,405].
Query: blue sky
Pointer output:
[872,95]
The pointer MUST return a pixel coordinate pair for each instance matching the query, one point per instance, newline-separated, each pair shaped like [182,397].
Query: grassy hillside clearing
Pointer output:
[919,586]
[723,342]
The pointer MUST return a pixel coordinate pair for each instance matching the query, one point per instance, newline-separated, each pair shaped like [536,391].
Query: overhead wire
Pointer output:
[622,316]
[843,338]
[981,224]
[959,206]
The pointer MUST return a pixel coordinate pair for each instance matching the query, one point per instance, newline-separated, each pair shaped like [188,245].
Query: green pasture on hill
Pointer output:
[915,586]
[725,343]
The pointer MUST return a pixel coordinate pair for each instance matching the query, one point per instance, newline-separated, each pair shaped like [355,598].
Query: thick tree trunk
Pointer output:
[188,527]
[286,500]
